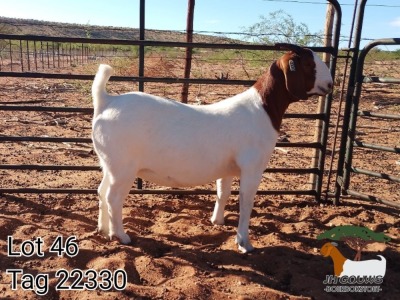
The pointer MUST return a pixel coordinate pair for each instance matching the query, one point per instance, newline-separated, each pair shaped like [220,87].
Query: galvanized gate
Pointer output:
[319,145]
[352,139]
[351,142]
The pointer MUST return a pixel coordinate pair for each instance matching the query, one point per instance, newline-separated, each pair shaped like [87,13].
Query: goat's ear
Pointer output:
[294,76]
[291,47]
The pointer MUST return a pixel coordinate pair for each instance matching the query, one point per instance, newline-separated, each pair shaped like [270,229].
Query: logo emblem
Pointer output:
[353,275]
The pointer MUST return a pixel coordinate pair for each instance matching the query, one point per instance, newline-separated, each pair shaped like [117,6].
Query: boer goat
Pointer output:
[177,145]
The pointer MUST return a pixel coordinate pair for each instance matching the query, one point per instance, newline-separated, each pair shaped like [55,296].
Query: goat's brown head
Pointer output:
[305,73]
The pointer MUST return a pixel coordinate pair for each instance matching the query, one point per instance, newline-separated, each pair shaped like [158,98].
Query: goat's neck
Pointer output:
[338,261]
[275,97]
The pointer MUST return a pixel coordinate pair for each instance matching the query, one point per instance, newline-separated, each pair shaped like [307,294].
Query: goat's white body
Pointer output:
[371,267]
[177,145]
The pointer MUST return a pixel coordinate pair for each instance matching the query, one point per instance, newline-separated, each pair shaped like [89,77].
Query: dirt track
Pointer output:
[176,253]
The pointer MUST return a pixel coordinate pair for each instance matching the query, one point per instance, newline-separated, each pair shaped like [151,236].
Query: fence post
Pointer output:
[189,39]
[330,14]
[142,10]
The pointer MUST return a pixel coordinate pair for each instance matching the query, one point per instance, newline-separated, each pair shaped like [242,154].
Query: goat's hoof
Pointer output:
[102,230]
[215,221]
[244,247]
[245,250]
[122,237]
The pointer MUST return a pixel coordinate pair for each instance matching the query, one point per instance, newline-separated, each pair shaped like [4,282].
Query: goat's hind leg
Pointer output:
[120,184]
[104,219]
[223,193]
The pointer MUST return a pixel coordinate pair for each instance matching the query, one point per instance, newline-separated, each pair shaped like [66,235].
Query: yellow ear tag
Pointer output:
[292,66]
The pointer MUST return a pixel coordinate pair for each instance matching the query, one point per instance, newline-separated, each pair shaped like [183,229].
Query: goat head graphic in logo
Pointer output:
[356,238]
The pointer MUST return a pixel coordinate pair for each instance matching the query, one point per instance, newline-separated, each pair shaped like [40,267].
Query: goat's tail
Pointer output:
[99,92]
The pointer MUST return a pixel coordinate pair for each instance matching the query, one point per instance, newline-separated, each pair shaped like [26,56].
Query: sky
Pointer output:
[382,17]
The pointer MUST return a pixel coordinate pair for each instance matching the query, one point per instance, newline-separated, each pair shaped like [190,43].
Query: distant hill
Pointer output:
[44,28]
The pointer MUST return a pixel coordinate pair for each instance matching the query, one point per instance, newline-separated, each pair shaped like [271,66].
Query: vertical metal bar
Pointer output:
[58,55]
[27,55]
[63,50]
[189,39]
[70,53]
[141,59]
[35,54]
[21,55]
[141,47]
[11,56]
[42,54]
[47,54]
[54,63]
[83,53]
[342,179]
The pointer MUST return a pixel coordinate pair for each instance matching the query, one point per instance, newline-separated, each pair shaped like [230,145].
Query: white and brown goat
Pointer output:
[177,145]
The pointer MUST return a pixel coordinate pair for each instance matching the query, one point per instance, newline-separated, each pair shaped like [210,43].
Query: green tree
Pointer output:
[280,27]
[356,237]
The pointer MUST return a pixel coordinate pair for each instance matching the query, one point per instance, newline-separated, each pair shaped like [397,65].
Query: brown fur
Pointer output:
[281,86]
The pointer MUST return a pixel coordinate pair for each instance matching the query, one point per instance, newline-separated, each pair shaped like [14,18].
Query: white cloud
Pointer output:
[395,22]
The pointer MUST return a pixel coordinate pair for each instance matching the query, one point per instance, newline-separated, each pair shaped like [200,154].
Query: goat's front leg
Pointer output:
[223,193]
[249,183]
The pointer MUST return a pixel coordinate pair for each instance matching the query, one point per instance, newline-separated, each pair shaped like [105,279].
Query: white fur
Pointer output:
[324,78]
[177,145]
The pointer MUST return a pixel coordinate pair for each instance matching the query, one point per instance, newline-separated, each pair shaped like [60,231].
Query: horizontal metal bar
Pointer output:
[97,168]
[170,80]
[375,174]
[366,197]
[370,79]
[377,115]
[148,43]
[315,145]
[86,110]
[149,192]
[89,140]
[376,147]
[293,170]
[89,110]
[50,167]
[305,116]
[44,139]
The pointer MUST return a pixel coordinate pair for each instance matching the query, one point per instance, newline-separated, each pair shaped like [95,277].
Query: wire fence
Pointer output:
[26,56]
